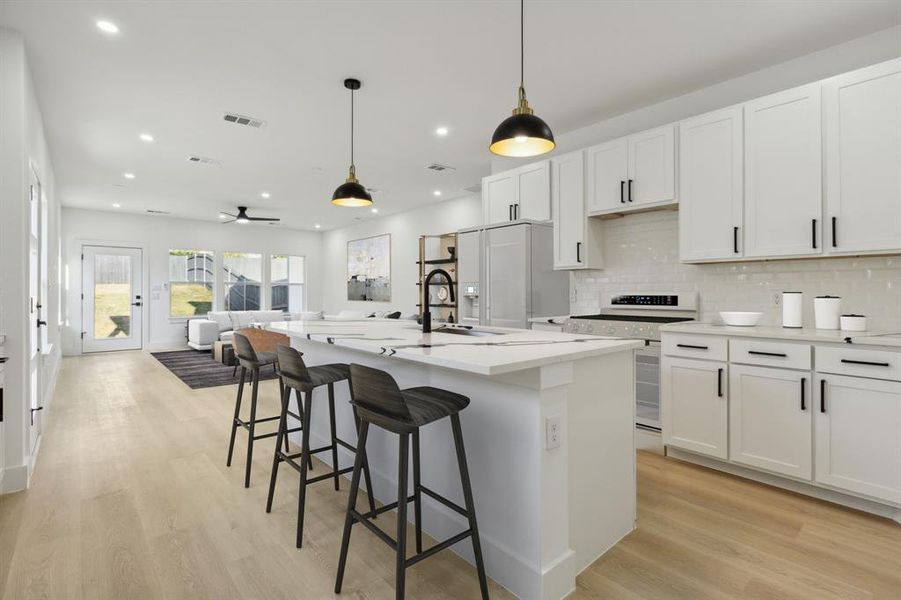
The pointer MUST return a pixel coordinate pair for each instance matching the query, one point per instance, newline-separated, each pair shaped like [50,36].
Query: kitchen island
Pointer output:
[548,504]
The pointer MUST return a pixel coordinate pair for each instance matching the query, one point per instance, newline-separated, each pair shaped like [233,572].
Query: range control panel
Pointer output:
[645,300]
[684,301]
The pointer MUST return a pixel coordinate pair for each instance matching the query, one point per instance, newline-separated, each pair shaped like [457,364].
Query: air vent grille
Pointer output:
[158,212]
[440,167]
[204,160]
[244,120]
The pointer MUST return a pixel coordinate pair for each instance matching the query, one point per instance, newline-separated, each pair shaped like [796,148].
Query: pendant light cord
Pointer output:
[351,129]
[522,43]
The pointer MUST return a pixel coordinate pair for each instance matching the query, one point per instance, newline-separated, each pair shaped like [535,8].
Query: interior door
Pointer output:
[507,265]
[652,166]
[112,298]
[608,169]
[35,318]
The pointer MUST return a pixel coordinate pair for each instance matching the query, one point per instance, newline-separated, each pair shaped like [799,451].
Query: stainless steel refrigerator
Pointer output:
[506,275]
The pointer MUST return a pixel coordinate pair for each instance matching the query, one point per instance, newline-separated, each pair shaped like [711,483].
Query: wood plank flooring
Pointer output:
[131,499]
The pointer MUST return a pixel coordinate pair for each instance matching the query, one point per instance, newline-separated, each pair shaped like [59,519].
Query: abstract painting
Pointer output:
[369,269]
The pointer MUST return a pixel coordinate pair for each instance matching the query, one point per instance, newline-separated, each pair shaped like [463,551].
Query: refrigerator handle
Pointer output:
[486,284]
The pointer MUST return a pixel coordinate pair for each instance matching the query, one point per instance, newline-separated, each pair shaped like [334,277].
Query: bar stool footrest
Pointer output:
[451,505]
[437,548]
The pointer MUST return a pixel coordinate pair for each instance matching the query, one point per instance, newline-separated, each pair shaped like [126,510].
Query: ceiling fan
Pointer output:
[242,217]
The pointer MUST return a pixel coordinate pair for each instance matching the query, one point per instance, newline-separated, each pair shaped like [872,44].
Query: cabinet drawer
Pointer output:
[710,347]
[875,364]
[770,354]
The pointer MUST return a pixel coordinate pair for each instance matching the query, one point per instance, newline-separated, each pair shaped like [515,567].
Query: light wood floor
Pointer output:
[131,499]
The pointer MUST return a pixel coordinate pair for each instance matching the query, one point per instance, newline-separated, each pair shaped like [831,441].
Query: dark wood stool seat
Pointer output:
[252,361]
[380,402]
[303,380]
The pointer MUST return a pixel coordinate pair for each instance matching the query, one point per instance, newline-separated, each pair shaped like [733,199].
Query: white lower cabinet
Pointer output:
[770,419]
[858,435]
[694,400]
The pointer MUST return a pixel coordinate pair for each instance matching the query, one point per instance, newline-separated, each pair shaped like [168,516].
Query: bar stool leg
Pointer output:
[255,377]
[417,496]
[360,448]
[281,392]
[351,503]
[331,411]
[276,459]
[305,449]
[470,508]
[297,399]
[231,442]
[401,564]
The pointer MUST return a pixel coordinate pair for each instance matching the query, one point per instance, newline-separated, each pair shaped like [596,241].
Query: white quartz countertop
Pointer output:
[514,350]
[807,334]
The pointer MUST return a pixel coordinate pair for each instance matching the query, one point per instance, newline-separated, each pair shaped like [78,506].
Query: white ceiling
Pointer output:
[176,67]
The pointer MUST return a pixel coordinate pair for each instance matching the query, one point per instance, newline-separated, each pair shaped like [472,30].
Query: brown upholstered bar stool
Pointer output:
[251,361]
[303,380]
[380,402]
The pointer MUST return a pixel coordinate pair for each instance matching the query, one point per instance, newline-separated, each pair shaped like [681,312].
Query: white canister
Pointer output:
[853,323]
[792,309]
[826,311]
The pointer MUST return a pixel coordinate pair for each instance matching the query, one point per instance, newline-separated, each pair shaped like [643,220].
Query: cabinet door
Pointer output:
[508,273]
[711,185]
[652,166]
[499,197]
[695,405]
[534,190]
[858,435]
[568,210]
[783,174]
[863,159]
[770,424]
[608,170]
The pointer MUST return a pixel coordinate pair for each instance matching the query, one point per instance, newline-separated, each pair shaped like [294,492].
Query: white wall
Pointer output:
[23,150]
[156,235]
[405,229]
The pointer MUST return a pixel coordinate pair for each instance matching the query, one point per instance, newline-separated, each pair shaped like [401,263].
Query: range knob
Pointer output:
[611,330]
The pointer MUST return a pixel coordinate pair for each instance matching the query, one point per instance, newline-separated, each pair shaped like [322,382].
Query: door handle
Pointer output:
[803,392]
[735,240]
[42,323]
[719,383]
[822,395]
[622,191]
[34,410]
[630,190]
[136,304]
[578,252]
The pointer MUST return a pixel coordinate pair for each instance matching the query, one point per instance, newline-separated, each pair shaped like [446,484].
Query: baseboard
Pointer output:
[15,479]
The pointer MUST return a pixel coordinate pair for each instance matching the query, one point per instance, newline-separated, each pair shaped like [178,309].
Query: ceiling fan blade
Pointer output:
[264,219]
[222,212]
[227,222]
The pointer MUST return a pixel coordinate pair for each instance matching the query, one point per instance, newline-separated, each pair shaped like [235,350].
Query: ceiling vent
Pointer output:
[439,167]
[244,120]
[204,160]
[158,212]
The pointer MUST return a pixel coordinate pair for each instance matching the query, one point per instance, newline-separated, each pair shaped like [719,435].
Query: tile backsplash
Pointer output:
[641,254]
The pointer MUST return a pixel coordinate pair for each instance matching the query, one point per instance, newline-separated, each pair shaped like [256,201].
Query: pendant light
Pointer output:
[523,134]
[351,193]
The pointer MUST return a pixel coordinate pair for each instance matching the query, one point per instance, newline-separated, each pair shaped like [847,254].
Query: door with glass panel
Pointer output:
[112,299]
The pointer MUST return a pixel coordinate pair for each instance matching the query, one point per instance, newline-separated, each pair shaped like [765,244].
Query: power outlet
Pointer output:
[552,432]
[777,299]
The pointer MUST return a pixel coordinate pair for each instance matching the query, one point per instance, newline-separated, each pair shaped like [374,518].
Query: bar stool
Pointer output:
[302,379]
[380,402]
[252,361]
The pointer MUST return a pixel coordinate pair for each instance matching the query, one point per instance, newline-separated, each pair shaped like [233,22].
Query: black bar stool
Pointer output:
[380,402]
[252,361]
[297,376]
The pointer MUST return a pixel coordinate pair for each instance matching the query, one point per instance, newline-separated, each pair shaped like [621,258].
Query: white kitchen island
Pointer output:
[545,513]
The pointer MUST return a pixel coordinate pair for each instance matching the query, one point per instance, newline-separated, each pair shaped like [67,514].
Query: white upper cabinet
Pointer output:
[608,170]
[862,120]
[711,185]
[783,174]
[577,241]
[522,193]
[652,166]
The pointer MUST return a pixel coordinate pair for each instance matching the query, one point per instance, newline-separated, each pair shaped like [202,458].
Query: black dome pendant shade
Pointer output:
[351,193]
[522,134]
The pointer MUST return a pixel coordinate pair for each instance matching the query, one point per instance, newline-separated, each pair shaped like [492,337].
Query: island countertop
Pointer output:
[512,350]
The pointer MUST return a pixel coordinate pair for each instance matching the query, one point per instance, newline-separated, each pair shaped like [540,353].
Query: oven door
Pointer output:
[647,386]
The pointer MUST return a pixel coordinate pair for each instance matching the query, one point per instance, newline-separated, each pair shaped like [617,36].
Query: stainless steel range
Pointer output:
[639,316]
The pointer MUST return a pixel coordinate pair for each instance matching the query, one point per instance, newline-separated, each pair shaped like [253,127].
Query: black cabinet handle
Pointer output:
[515,211]
[509,212]
[34,410]
[761,353]
[579,252]
[864,362]
[42,323]
[803,392]
[622,194]
[630,190]
[813,233]
[136,304]
[719,383]
[834,234]
[822,395]
[735,240]
[692,346]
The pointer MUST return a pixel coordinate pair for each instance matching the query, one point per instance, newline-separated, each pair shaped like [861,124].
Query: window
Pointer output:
[287,283]
[190,282]
[243,274]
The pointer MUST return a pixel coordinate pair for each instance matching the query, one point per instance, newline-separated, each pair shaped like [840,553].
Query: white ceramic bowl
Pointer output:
[740,319]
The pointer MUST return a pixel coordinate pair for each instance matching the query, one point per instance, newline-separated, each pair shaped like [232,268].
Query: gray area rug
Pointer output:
[197,369]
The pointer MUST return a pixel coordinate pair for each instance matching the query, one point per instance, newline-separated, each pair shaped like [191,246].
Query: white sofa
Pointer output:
[220,325]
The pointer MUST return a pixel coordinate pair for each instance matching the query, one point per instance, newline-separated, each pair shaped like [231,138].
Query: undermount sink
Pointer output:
[466,331]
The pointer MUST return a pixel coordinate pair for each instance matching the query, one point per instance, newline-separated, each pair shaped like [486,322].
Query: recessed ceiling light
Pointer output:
[436,193]
[107,27]
[128,175]
[116,205]
[442,131]
[264,194]
[317,225]
[375,210]
[146,137]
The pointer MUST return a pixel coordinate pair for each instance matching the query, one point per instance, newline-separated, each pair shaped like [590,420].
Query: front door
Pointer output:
[112,298]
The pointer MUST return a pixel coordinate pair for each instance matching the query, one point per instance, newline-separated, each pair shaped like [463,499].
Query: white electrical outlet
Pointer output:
[552,432]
